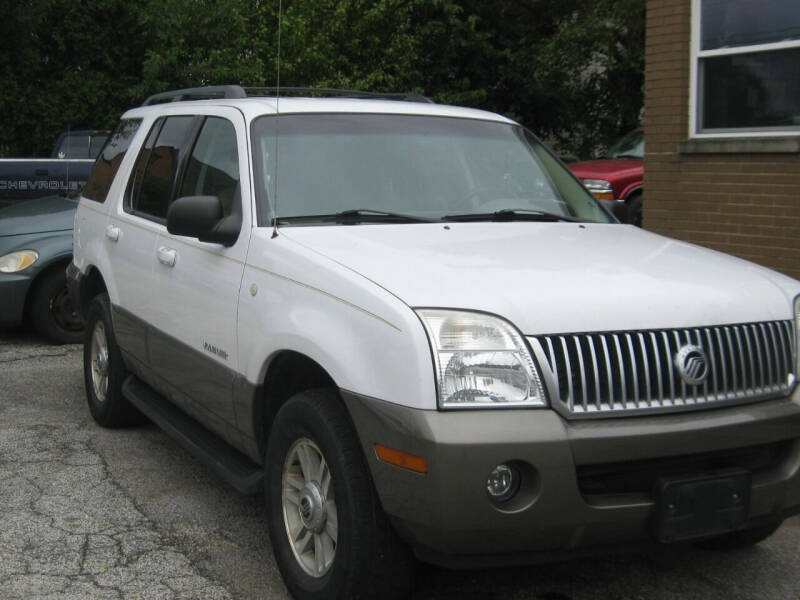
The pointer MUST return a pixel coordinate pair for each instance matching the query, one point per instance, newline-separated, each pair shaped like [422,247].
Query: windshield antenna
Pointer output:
[277,126]
[66,192]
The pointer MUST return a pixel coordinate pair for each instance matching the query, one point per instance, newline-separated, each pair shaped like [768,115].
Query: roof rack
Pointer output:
[197,93]
[237,91]
[328,92]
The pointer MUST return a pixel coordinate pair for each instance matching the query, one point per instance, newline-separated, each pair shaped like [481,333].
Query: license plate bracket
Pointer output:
[702,505]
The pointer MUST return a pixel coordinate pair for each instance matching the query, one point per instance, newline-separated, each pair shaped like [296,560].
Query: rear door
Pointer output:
[193,347]
[132,231]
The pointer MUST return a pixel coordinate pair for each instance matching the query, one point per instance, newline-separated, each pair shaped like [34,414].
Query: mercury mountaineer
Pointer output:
[420,336]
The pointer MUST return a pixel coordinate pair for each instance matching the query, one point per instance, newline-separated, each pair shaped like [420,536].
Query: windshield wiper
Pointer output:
[511,214]
[633,156]
[357,215]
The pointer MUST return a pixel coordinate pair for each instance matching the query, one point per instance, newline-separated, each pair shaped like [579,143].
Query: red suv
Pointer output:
[619,175]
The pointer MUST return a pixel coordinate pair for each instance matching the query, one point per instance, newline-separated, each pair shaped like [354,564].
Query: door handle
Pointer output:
[112,233]
[166,256]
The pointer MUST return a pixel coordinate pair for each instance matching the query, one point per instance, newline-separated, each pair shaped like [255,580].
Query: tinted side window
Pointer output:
[135,182]
[151,193]
[107,164]
[213,167]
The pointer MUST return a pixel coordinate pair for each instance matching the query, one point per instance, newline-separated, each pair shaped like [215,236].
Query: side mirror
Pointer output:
[201,217]
[617,208]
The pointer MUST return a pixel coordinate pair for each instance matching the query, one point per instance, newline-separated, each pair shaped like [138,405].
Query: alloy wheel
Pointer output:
[309,508]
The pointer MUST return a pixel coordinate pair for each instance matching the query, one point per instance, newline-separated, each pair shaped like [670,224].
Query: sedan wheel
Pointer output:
[51,310]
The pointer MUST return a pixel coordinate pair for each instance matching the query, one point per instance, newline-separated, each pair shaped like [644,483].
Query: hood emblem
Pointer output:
[692,363]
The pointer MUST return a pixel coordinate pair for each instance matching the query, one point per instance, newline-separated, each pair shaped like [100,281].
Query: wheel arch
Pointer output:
[633,191]
[57,262]
[92,284]
[288,372]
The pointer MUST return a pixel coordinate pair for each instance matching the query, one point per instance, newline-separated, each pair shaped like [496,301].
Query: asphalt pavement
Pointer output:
[91,513]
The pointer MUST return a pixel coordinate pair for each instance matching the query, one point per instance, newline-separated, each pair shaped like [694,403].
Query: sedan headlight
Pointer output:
[600,188]
[18,261]
[481,361]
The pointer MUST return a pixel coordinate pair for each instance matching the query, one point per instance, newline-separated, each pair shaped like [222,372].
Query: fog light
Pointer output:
[502,483]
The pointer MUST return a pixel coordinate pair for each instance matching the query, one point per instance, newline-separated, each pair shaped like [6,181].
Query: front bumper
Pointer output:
[448,518]
[13,291]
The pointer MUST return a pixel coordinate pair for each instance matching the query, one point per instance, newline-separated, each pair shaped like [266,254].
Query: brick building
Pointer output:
[722,125]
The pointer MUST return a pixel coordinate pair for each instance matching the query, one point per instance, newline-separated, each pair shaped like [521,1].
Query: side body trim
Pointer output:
[193,380]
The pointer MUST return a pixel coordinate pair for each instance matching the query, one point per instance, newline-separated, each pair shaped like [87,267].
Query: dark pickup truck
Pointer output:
[65,171]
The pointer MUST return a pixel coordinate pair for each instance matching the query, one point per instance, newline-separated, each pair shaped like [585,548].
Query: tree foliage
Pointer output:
[570,70]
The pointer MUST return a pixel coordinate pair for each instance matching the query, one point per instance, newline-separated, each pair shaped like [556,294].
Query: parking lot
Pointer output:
[92,513]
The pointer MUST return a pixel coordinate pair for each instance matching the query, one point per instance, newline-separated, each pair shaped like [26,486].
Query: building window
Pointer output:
[745,68]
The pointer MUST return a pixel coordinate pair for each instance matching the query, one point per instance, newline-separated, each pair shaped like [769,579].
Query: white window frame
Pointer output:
[694,90]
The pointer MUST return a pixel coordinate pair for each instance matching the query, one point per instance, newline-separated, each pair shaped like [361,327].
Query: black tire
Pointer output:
[634,203]
[369,560]
[112,410]
[51,310]
[740,539]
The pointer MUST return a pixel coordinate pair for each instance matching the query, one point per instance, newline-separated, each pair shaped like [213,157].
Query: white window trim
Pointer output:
[696,54]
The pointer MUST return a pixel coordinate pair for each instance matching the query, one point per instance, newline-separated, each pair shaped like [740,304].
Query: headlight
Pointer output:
[481,361]
[600,188]
[18,261]
[797,334]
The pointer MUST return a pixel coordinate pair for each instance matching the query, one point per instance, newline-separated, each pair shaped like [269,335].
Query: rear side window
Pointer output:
[107,163]
[213,167]
[151,186]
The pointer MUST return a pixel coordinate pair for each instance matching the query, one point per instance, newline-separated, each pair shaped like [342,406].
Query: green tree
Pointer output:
[65,64]
[570,70]
[195,43]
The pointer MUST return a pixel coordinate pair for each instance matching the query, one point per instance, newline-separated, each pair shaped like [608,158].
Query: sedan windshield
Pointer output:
[368,168]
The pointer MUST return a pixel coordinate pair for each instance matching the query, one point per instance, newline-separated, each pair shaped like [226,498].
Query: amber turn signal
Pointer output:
[401,459]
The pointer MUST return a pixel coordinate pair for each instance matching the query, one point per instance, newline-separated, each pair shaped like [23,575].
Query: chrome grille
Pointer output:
[599,374]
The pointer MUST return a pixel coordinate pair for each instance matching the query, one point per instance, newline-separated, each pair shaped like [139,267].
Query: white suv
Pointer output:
[421,336]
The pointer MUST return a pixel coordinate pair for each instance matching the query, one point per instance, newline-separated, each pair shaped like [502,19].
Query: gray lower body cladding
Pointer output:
[587,482]
[215,395]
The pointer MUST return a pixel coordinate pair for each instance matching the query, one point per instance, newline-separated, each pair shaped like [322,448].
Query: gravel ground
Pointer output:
[89,513]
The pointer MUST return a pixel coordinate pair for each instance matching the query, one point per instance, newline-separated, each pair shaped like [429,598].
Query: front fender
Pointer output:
[631,188]
[53,247]
[367,340]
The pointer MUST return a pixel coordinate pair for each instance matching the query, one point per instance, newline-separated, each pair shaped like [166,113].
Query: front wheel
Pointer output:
[329,534]
[634,203]
[52,312]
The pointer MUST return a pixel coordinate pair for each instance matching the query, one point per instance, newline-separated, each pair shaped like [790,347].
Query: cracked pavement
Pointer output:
[91,513]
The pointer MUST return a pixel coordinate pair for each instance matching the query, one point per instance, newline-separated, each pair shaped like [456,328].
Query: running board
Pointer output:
[227,462]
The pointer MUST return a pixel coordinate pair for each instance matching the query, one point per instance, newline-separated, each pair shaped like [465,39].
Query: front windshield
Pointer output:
[630,145]
[420,166]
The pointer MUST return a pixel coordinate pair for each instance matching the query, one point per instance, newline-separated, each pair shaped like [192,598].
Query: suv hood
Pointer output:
[51,213]
[557,277]
[600,169]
